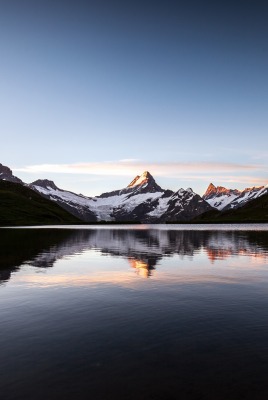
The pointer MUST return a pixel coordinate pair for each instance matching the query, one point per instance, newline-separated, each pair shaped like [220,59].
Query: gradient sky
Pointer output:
[93,93]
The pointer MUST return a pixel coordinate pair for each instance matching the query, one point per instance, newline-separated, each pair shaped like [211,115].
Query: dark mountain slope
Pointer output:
[20,205]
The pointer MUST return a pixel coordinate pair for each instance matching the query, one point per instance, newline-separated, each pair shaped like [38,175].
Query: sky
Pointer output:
[93,93]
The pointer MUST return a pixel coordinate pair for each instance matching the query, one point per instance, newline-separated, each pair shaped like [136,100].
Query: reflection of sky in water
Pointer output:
[80,273]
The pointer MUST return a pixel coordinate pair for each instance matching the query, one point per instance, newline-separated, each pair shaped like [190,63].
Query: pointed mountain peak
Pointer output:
[211,187]
[146,174]
[45,183]
[144,183]
[142,179]
[211,190]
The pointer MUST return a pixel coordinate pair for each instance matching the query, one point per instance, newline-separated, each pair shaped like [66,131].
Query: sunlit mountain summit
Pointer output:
[145,182]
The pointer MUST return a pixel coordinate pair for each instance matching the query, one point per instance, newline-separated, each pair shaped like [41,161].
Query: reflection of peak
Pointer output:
[218,254]
[142,267]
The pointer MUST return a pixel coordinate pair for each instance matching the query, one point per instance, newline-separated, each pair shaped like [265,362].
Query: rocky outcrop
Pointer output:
[7,175]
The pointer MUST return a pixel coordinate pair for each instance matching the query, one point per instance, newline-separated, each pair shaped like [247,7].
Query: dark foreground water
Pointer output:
[134,313]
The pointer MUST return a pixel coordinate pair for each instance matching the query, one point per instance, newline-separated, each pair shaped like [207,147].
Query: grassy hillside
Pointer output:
[20,205]
[254,211]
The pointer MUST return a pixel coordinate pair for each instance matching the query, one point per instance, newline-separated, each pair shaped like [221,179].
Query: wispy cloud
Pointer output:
[196,175]
[130,167]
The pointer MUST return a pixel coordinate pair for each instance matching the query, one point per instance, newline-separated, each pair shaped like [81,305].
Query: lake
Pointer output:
[158,312]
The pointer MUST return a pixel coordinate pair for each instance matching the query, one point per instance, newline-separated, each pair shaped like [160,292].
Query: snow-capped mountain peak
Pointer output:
[219,196]
[141,179]
[45,184]
[144,183]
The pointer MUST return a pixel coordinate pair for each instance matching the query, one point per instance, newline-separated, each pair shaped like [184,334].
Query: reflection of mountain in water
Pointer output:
[143,248]
[142,267]
[26,246]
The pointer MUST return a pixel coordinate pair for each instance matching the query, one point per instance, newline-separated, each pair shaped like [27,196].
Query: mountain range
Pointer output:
[143,200]
[227,199]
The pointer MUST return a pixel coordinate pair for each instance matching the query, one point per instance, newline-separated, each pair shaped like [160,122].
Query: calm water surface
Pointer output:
[134,312]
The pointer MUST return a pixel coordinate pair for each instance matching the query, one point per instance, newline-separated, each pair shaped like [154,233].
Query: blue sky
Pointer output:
[95,92]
